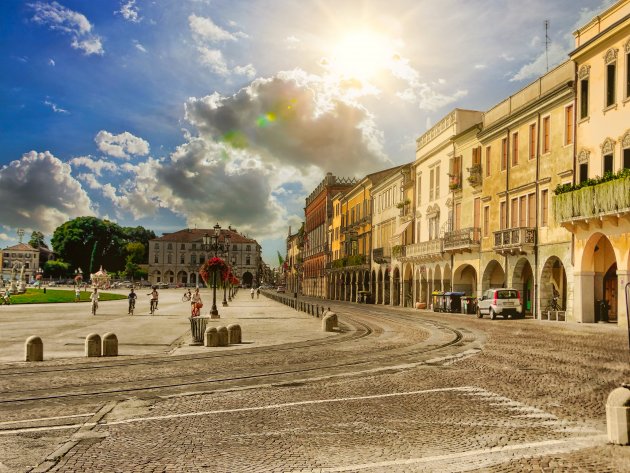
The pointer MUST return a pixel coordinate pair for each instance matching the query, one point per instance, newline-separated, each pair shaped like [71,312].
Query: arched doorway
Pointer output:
[247,279]
[169,277]
[407,285]
[424,286]
[493,276]
[598,280]
[523,281]
[396,287]
[386,293]
[156,277]
[553,280]
[610,292]
[437,279]
[446,279]
[381,288]
[182,278]
[373,291]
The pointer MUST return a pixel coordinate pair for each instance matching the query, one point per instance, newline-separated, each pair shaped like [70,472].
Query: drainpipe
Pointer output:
[575,83]
[508,204]
[535,301]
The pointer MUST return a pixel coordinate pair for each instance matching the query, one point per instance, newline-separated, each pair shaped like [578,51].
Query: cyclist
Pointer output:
[195,304]
[94,299]
[132,301]
[154,300]
[187,295]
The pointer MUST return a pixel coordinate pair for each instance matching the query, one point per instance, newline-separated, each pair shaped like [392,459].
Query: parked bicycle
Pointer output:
[553,305]
[186,297]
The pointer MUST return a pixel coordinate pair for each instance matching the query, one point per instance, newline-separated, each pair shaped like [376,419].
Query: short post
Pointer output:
[329,322]
[93,345]
[618,416]
[234,333]
[211,337]
[34,349]
[197,329]
[223,336]
[110,344]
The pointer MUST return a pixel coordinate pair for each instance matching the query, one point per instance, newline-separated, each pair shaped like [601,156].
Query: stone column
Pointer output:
[623,278]
[584,304]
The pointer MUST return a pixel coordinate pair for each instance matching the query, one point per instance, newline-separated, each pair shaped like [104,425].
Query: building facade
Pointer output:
[21,254]
[175,258]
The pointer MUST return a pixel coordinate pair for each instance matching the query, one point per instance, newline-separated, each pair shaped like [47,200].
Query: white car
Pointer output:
[500,301]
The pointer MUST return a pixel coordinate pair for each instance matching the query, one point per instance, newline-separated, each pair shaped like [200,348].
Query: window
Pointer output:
[202,258]
[181,259]
[504,153]
[486,221]
[248,248]
[626,158]
[155,259]
[531,209]
[193,259]
[514,214]
[608,163]
[522,221]
[437,182]
[488,161]
[169,246]
[431,184]
[458,215]
[514,149]
[584,98]
[194,246]
[568,125]
[476,156]
[247,260]
[419,188]
[532,141]
[502,215]
[234,248]
[628,70]
[544,207]
[583,172]
[169,258]
[611,72]
[182,247]
[546,137]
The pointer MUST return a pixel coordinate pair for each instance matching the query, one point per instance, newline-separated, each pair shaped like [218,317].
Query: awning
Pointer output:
[401,229]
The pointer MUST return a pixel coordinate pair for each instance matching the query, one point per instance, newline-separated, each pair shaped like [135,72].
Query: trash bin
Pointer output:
[469,305]
[453,301]
[438,301]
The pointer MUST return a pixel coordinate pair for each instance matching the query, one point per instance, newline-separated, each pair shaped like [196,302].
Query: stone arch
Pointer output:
[446,278]
[523,281]
[493,276]
[598,279]
[553,279]
[465,279]
[373,289]
[247,279]
[169,276]
[396,287]
[182,277]
[381,288]
[386,287]
[407,285]
[437,278]
[156,276]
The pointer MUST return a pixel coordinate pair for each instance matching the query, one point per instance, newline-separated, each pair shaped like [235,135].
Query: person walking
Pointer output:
[94,298]
[258,292]
[132,301]
[195,304]
[252,292]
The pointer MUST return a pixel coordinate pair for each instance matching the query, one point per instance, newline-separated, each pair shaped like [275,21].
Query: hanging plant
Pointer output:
[212,265]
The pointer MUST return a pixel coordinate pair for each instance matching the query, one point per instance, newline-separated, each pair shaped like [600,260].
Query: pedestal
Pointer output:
[197,329]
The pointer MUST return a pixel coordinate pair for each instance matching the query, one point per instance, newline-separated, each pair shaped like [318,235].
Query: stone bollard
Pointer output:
[93,345]
[329,322]
[223,336]
[211,337]
[34,349]
[234,333]
[110,344]
[618,416]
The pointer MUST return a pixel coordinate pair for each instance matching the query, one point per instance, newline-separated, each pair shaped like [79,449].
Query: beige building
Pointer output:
[21,254]
[598,213]
[175,258]
[293,260]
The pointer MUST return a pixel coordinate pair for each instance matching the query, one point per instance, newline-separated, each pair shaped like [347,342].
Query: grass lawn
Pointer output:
[37,296]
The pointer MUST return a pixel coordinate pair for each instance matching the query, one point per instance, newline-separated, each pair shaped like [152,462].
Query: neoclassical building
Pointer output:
[175,258]
[23,254]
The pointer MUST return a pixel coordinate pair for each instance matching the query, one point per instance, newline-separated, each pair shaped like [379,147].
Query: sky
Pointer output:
[184,113]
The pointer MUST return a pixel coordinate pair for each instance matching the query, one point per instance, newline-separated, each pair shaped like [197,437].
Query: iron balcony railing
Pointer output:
[382,255]
[512,240]
[465,239]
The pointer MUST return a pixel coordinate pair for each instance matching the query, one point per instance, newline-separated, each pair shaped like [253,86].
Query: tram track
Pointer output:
[352,316]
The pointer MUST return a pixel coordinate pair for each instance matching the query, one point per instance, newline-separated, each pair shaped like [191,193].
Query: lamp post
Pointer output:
[211,243]
[226,240]
[230,293]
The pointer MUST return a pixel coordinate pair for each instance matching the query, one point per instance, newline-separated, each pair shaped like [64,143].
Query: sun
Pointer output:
[360,55]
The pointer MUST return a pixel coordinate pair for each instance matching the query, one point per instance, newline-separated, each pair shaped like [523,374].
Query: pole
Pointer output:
[214,310]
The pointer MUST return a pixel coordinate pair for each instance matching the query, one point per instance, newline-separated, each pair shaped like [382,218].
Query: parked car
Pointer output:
[500,301]
[281,289]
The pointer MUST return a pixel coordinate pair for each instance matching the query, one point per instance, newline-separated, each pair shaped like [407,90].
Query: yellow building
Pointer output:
[597,211]
[293,260]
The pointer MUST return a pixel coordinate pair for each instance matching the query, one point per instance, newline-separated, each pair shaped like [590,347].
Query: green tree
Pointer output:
[135,250]
[37,240]
[56,268]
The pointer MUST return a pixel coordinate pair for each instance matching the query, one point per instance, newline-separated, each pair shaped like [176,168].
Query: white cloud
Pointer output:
[480,66]
[204,28]
[123,145]
[54,107]
[538,67]
[214,59]
[507,57]
[139,46]
[248,71]
[60,18]
[97,166]
[42,193]
[90,180]
[130,11]
[51,62]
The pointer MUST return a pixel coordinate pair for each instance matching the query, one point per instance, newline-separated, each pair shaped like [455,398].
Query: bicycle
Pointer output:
[553,305]
[153,306]
[186,297]
[94,307]
[132,306]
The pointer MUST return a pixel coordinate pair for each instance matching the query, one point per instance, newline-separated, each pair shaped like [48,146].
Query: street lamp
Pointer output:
[230,292]
[211,243]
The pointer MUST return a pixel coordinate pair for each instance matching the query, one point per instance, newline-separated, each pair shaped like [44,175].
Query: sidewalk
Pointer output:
[63,327]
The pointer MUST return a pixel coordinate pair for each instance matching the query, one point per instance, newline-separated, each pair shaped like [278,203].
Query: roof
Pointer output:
[189,235]
[21,247]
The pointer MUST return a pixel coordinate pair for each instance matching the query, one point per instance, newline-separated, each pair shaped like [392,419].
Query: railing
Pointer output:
[463,240]
[425,250]
[513,239]
[611,197]
[382,255]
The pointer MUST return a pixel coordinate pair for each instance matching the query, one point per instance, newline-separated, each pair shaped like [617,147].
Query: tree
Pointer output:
[37,240]
[135,251]
[56,268]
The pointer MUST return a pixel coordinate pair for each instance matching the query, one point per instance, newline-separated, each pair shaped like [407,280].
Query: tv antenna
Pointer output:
[547,41]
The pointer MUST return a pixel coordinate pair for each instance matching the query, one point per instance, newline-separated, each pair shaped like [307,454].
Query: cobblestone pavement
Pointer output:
[528,396]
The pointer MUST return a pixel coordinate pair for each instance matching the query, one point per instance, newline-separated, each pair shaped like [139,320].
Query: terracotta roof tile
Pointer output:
[189,235]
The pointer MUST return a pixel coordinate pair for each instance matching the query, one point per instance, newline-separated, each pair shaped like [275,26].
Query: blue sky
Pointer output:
[176,113]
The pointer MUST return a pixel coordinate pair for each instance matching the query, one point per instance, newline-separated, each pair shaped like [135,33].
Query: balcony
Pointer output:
[381,255]
[455,182]
[604,201]
[461,241]
[515,240]
[348,263]
[425,251]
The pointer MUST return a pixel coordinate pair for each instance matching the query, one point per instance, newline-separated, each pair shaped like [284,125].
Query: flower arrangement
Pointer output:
[212,265]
